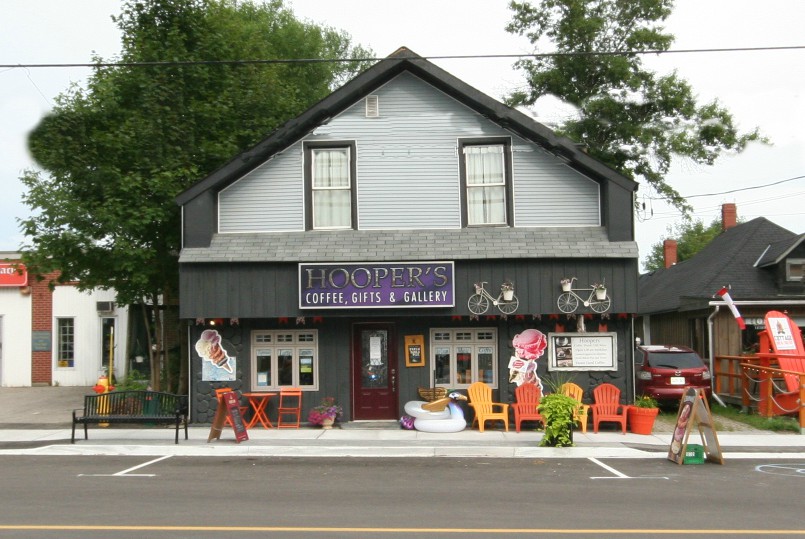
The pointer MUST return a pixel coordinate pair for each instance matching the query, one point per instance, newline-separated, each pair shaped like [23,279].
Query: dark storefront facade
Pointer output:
[355,283]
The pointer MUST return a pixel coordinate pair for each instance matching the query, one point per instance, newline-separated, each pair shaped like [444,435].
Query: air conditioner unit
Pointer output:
[105,306]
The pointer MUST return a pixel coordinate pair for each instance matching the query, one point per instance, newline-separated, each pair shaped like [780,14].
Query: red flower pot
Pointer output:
[641,420]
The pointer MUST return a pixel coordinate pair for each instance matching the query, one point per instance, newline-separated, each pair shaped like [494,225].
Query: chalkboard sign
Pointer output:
[230,409]
[693,410]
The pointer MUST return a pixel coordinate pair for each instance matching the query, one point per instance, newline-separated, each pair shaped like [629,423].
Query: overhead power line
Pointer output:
[377,59]
[736,190]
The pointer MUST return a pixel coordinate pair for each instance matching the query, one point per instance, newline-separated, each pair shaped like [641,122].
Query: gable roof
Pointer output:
[404,60]
[778,250]
[730,259]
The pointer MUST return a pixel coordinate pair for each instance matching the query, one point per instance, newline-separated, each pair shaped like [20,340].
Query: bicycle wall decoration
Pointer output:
[597,299]
[506,301]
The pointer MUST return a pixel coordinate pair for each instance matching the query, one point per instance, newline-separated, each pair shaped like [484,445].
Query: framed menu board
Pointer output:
[582,351]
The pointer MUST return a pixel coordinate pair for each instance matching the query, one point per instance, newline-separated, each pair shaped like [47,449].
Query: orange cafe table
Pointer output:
[259,403]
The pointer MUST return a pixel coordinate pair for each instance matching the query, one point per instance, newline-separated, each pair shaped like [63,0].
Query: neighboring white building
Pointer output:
[56,338]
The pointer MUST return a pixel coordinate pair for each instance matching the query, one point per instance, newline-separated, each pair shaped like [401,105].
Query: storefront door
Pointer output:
[374,372]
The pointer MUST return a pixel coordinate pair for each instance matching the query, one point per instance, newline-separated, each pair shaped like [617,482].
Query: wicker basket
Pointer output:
[431,394]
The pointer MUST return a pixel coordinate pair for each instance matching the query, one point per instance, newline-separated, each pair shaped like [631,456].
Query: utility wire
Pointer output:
[376,59]
[735,190]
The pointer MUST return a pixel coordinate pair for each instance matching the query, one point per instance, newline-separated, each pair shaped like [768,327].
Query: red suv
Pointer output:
[665,372]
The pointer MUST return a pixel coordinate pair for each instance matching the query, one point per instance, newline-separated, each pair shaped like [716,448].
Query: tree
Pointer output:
[631,119]
[116,154]
[691,237]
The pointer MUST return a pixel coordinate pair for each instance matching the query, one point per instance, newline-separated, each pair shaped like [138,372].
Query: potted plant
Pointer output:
[600,290]
[508,290]
[642,414]
[325,413]
[567,284]
[557,410]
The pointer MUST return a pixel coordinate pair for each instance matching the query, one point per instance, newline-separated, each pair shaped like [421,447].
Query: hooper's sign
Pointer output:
[376,285]
[13,274]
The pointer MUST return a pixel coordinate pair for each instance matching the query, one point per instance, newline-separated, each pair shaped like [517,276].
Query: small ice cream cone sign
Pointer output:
[209,348]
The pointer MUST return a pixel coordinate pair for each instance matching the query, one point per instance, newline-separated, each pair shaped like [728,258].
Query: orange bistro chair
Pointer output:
[525,409]
[219,395]
[486,410]
[582,411]
[607,406]
[290,406]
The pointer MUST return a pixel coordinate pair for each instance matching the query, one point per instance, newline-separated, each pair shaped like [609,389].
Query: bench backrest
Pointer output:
[135,403]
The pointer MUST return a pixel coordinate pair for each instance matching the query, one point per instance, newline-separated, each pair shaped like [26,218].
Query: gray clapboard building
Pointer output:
[340,253]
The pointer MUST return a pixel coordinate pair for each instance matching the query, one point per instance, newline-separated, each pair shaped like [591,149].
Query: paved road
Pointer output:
[169,497]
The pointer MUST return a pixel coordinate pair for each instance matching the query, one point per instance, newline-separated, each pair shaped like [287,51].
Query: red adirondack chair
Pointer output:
[607,406]
[525,409]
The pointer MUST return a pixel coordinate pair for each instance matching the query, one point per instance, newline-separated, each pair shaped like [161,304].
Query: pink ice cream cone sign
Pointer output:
[528,347]
[209,348]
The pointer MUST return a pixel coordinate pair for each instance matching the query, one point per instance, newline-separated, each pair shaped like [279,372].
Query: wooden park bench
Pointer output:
[149,407]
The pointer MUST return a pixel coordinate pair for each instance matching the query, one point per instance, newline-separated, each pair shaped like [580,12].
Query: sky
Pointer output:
[762,89]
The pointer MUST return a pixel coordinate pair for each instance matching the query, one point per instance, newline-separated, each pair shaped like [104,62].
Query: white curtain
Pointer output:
[331,188]
[486,185]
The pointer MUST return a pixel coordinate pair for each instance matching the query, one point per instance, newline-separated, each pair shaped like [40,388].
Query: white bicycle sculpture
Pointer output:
[479,302]
[569,301]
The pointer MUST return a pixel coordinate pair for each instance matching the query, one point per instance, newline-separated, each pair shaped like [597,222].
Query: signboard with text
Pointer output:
[582,351]
[12,274]
[378,285]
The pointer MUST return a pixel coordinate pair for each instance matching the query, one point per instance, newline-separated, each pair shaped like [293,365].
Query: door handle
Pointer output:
[393,380]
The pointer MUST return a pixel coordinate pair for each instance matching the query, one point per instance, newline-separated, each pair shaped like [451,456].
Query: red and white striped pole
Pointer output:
[724,294]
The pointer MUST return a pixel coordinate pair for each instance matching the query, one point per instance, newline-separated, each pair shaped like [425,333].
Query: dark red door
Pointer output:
[374,372]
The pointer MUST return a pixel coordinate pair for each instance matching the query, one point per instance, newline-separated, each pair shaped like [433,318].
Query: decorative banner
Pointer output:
[376,285]
[13,275]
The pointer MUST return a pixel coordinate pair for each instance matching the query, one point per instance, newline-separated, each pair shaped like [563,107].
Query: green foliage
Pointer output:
[691,237]
[645,401]
[557,413]
[134,380]
[776,423]
[631,119]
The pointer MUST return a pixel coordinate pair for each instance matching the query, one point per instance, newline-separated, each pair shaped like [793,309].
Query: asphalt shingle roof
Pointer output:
[727,260]
[402,245]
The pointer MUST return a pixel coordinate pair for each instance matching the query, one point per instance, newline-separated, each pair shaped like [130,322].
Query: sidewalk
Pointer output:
[37,421]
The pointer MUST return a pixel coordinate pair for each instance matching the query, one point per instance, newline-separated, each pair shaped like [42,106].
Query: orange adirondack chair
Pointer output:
[582,411]
[486,410]
[607,406]
[525,409]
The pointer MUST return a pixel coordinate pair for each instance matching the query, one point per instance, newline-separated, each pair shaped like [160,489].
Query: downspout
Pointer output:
[712,346]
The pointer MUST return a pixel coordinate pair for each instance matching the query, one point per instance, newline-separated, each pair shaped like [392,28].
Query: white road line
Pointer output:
[617,474]
[127,472]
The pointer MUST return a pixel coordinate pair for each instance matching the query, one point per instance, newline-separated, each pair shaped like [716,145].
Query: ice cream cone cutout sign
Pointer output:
[209,348]
[528,347]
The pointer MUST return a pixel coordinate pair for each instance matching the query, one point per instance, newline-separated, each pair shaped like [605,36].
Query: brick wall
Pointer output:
[42,320]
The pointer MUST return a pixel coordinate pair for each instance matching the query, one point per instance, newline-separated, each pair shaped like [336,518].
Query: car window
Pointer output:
[675,360]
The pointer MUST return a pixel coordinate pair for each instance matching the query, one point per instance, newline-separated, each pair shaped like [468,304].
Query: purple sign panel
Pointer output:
[376,285]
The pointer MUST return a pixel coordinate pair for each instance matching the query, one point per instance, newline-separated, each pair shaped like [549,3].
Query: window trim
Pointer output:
[58,347]
[275,345]
[506,142]
[308,147]
[788,263]
[454,343]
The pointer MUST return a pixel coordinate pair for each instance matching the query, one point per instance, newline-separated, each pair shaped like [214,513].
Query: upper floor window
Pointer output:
[485,167]
[330,182]
[794,269]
